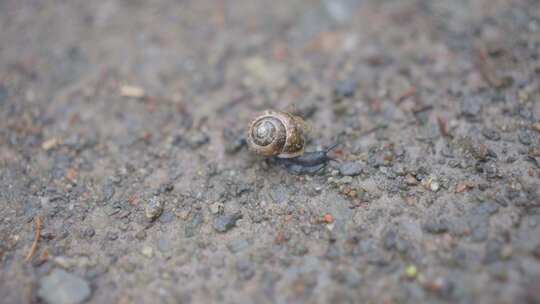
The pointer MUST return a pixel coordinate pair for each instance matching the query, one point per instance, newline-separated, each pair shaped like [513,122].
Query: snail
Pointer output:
[277,133]
[281,136]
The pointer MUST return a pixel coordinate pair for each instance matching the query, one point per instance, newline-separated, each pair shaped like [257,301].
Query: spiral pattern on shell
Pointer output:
[276,133]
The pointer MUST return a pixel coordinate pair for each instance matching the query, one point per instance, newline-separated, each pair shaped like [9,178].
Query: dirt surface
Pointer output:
[121,127]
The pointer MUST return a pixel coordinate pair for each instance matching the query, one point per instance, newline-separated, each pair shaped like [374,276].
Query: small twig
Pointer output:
[374,129]
[487,69]
[408,93]
[420,109]
[36,240]
[443,127]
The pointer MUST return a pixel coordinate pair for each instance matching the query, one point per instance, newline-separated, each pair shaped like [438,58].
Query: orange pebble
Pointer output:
[328,218]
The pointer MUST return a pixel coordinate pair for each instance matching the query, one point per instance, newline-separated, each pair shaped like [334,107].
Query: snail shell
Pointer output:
[277,133]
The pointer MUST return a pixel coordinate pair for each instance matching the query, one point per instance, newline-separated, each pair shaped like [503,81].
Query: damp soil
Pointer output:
[121,134]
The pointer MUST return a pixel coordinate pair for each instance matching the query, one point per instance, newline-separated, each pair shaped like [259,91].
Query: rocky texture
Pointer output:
[224,223]
[106,105]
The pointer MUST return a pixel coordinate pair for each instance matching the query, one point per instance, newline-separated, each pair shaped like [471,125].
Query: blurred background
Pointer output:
[124,177]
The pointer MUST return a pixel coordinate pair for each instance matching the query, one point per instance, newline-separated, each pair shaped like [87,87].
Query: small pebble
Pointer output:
[147,251]
[345,180]
[112,236]
[245,269]
[238,245]
[140,235]
[350,169]
[3,94]
[431,184]
[434,186]
[411,272]
[197,139]
[435,226]
[154,208]
[344,89]
[89,232]
[62,287]
[234,141]
[471,107]
[50,144]
[411,180]
[534,126]
[132,91]
[536,252]
[225,223]
[167,217]
[491,134]
[216,207]
[525,137]
[328,218]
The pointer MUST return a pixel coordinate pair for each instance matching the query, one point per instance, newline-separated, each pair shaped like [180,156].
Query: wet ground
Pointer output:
[123,178]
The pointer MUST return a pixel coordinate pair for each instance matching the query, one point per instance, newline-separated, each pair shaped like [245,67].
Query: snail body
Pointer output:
[280,136]
[277,133]
[309,162]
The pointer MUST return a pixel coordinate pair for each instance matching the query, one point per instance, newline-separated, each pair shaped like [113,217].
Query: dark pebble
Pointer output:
[225,223]
[113,209]
[3,94]
[140,235]
[107,191]
[245,269]
[436,226]
[483,186]
[198,139]
[234,141]
[389,240]
[493,251]
[305,110]
[453,163]
[535,161]
[346,277]
[298,249]
[492,171]
[471,107]
[536,252]
[479,227]
[445,288]
[487,208]
[491,134]
[344,89]
[332,252]
[480,151]
[166,187]
[89,232]
[525,137]
[368,248]
[525,113]
[167,217]
[112,236]
[193,226]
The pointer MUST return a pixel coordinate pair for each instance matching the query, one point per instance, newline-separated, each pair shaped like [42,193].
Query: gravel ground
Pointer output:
[124,178]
